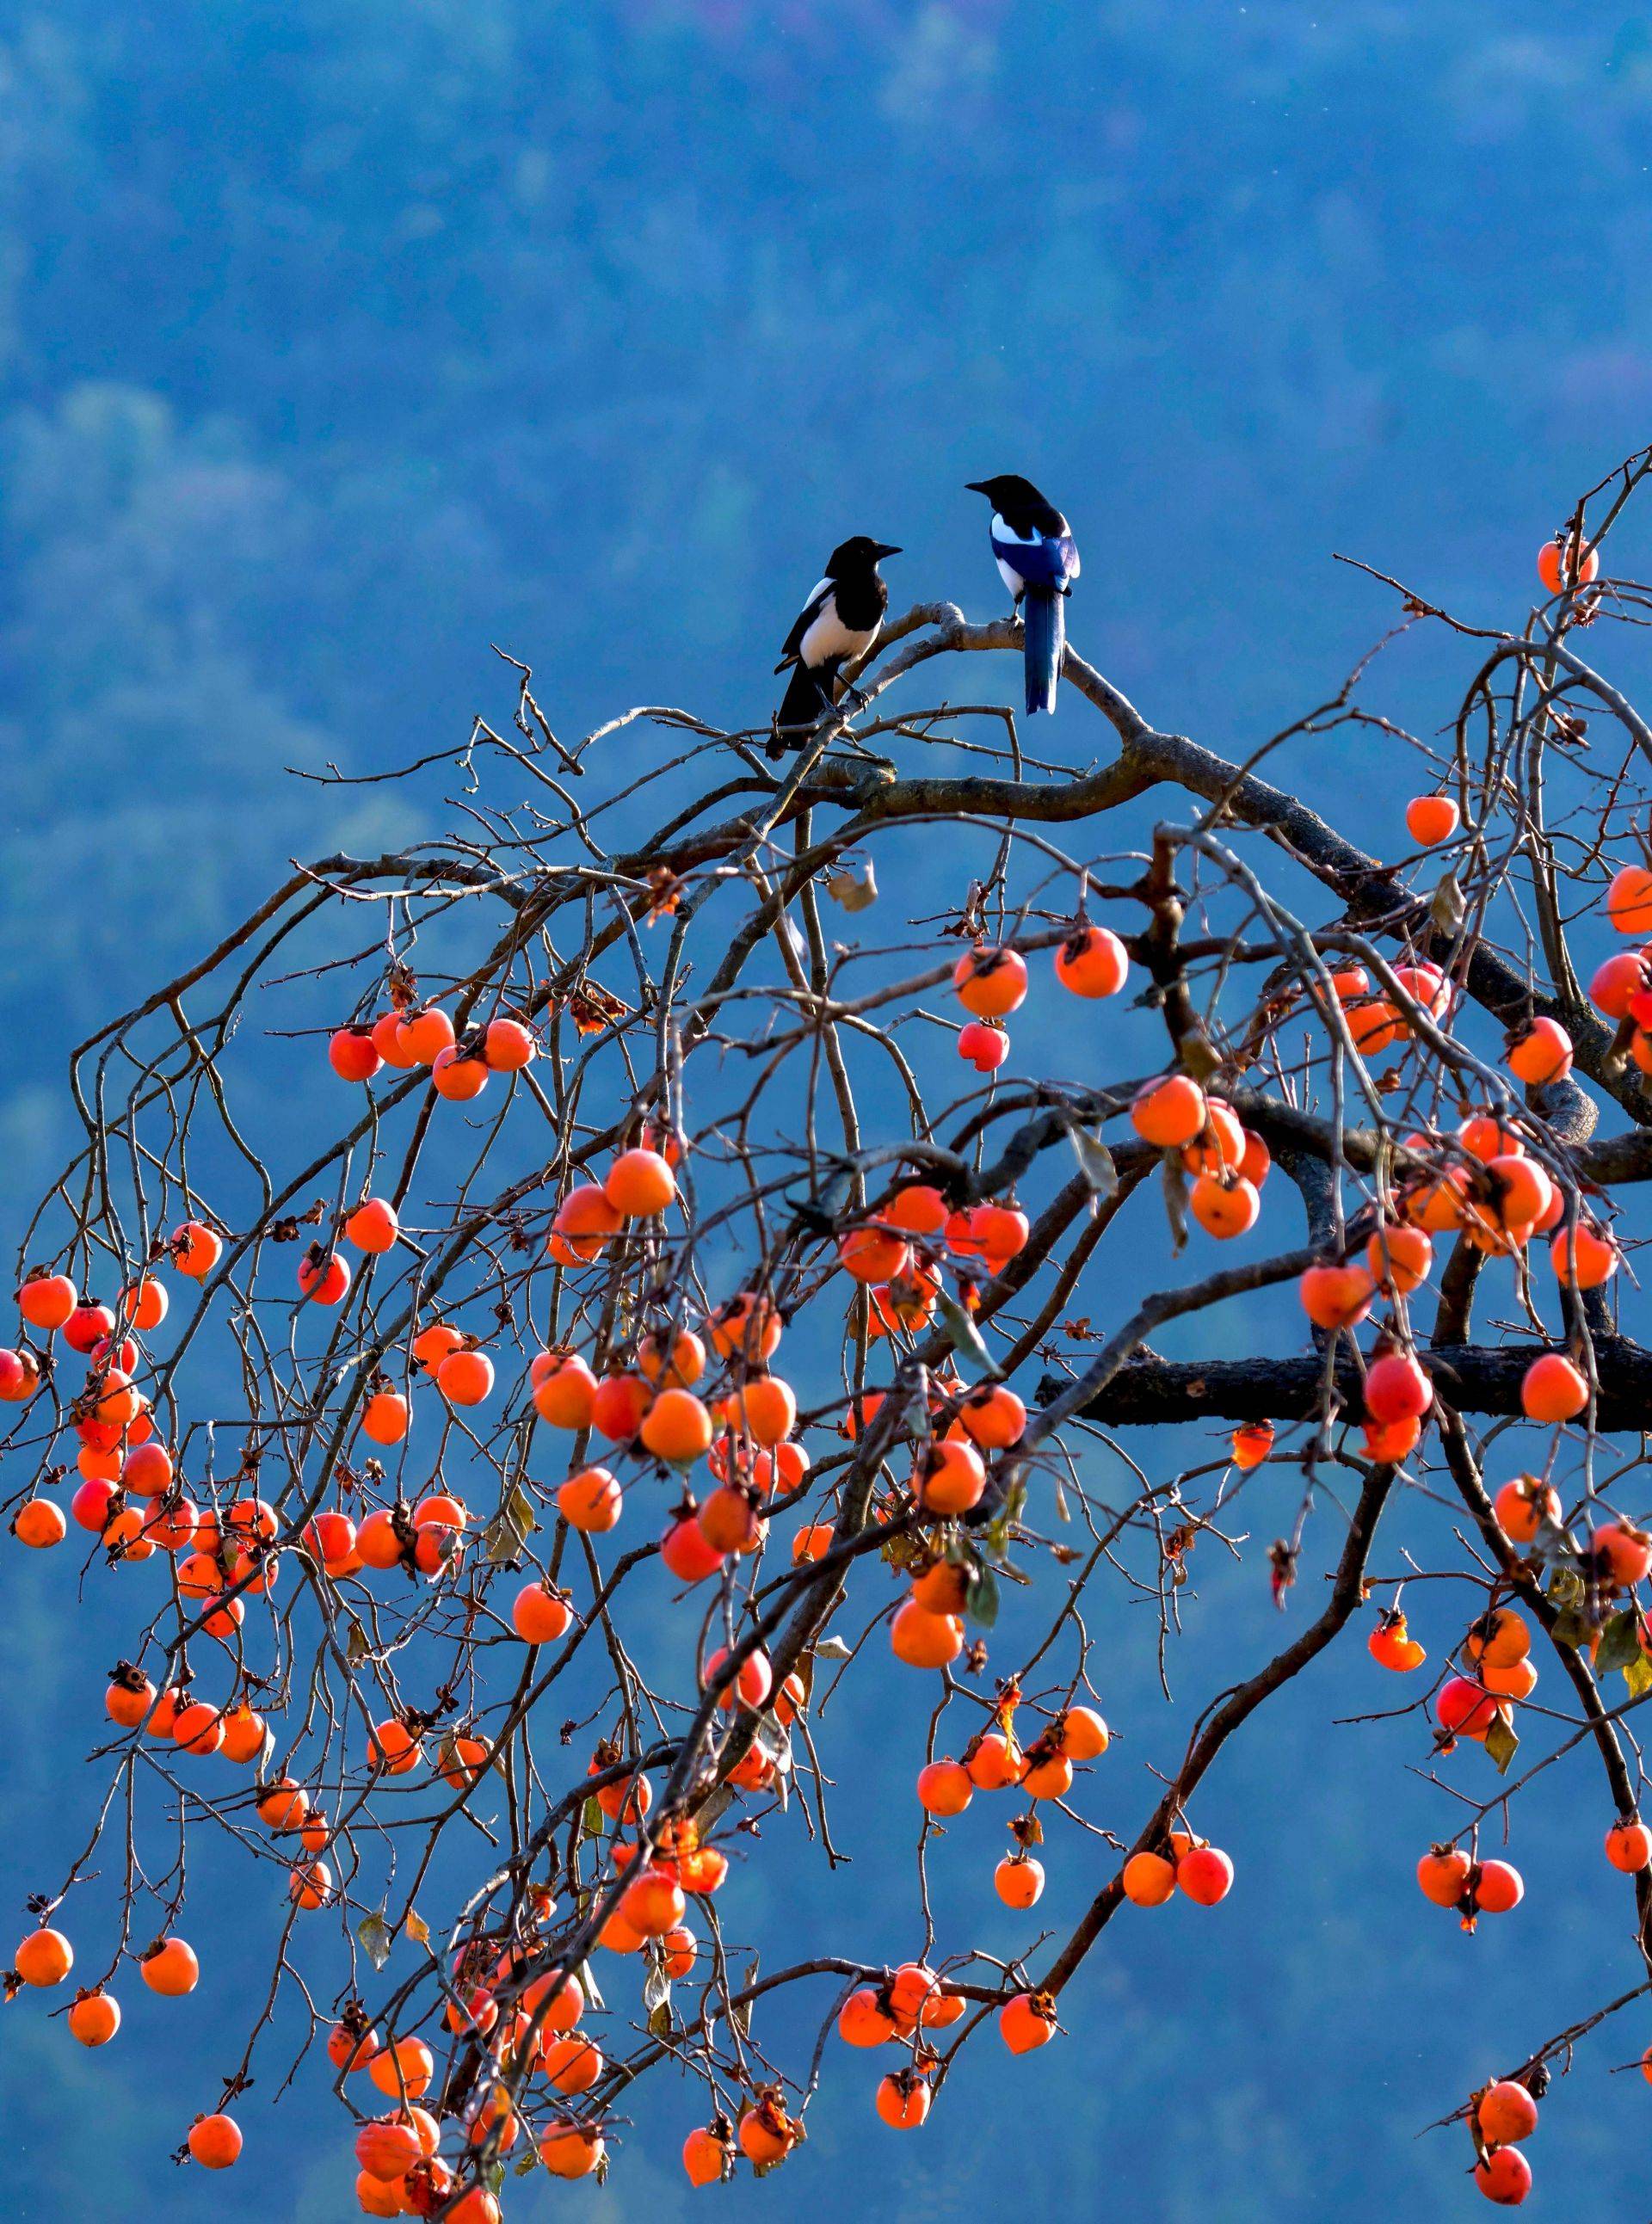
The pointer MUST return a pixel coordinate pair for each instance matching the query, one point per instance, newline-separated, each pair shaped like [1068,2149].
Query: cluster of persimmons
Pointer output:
[687,1401]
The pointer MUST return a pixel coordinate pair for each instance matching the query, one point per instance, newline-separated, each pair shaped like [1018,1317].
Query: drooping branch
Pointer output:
[1234,1708]
[1524,1584]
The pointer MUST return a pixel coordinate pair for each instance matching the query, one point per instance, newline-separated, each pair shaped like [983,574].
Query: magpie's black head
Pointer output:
[860,554]
[1008,491]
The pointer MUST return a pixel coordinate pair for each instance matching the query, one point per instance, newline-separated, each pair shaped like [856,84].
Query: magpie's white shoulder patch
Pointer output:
[827,635]
[1003,532]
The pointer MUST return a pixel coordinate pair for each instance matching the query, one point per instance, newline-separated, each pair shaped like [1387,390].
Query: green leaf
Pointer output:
[1639,1676]
[1571,1626]
[1620,1642]
[374,1936]
[591,1819]
[1565,1586]
[998,1535]
[981,1607]
[1502,1743]
[964,1337]
[660,2020]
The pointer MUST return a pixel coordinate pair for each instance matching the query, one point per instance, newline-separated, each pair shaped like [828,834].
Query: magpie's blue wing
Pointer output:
[1044,560]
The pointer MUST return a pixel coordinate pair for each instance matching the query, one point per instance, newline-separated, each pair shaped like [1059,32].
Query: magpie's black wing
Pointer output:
[801,624]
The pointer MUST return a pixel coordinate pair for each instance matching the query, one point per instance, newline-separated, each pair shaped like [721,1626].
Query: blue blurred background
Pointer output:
[338,341]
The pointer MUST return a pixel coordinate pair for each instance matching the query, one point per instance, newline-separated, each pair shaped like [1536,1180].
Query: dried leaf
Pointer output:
[832,1648]
[1639,1676]
[854,890]
[374,1936]
[1446,907]
[1196,1056]
[510,1527]
[1095,1163]
[416,1928]
[1175,1198]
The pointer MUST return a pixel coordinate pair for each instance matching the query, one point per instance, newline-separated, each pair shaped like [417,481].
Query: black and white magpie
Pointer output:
[839,621]
[1039,559]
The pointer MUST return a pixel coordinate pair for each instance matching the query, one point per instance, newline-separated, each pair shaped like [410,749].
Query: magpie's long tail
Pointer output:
[807,694]
[1044,617]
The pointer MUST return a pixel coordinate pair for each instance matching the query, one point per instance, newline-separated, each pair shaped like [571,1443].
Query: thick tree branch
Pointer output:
[1146,1391]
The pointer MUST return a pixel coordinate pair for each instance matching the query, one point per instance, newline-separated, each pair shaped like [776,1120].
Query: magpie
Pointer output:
[1039,559]
[839,621]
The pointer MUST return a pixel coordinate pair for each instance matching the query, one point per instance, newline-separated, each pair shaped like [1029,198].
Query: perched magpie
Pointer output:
[1039,559]
[838,622]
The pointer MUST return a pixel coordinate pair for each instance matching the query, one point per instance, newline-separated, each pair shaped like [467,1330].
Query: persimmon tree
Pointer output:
[408,1341]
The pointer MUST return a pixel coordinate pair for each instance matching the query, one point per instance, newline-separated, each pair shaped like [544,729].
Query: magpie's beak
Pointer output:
[975,486]
[884,549]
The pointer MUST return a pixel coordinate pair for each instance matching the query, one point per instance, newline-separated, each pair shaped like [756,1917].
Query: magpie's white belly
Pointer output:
[828,636]
[1011,577]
